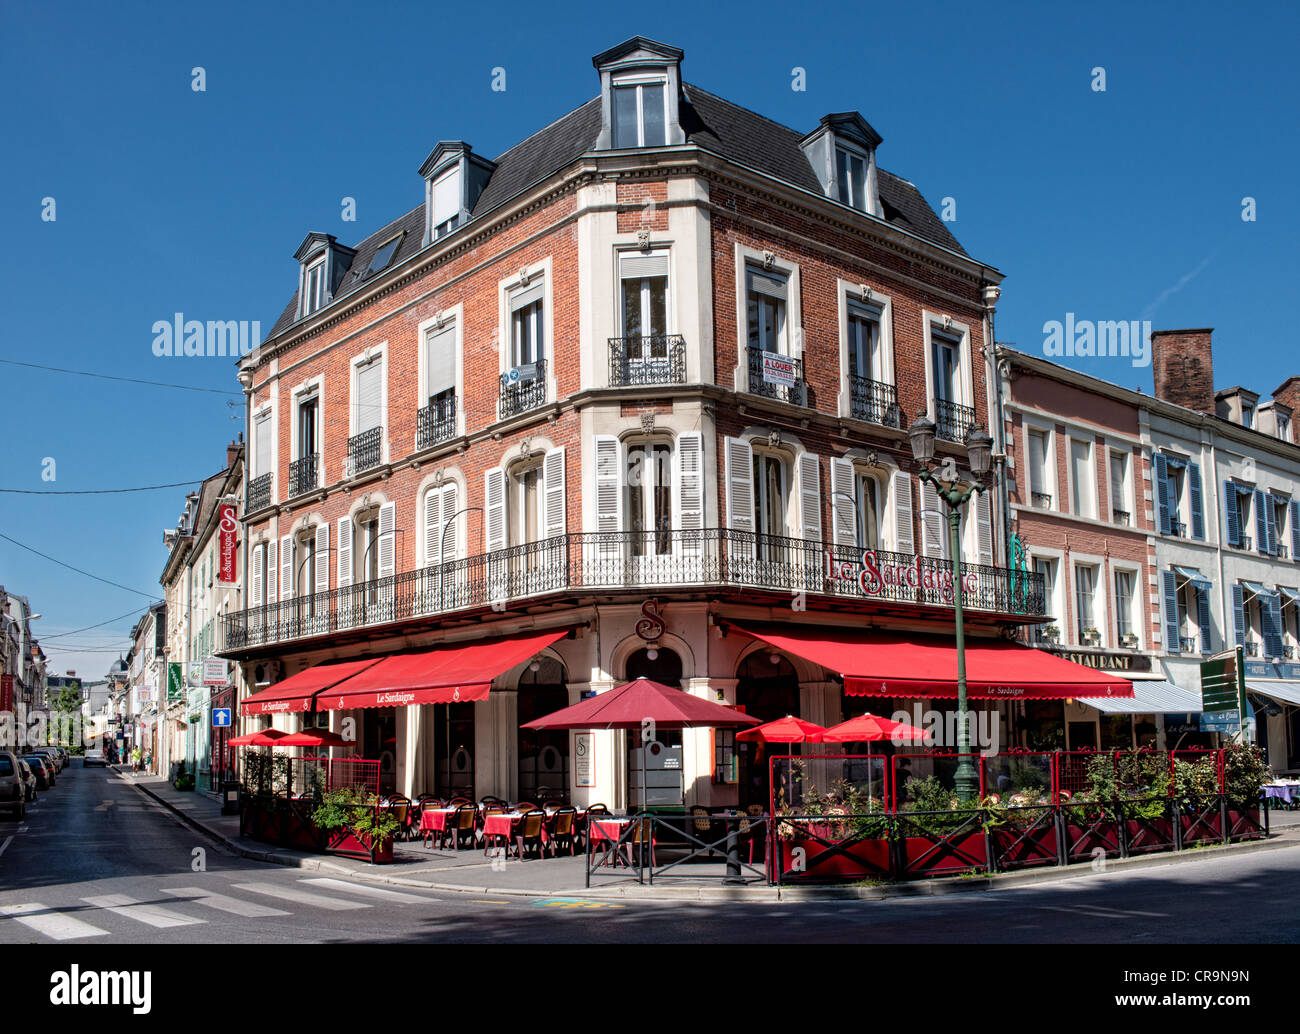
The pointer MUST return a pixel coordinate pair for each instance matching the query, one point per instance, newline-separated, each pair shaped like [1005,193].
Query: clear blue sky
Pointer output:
[1117,205]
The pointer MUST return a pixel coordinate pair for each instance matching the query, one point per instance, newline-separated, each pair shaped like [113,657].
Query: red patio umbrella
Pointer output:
[870,728]
[263,738]
[784,730]
[632,704]
[313,738]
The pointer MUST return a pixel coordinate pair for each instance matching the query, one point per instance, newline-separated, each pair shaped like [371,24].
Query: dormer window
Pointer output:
[640,111]
[446,201]
[851,178]
[842,154]
[454,177]
[313,286]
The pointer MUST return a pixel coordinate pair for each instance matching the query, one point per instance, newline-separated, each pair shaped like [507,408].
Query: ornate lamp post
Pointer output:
[979,449]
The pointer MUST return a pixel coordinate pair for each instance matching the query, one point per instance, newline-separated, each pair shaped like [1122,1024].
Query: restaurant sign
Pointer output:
[874,576]
[226,540]
[584,761]
[1104,661]
[215,672]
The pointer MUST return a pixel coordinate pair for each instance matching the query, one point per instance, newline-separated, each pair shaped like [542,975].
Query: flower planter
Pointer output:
[1244,824]
[861,860]
[349,845]
[924,856]
[1200,825]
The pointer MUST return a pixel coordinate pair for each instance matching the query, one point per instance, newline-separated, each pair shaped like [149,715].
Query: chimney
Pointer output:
[1288,393]
[232,454]
[1183,363]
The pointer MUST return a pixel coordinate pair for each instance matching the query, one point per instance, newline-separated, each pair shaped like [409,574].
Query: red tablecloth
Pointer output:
[499,825]
[607,829]
[435,819]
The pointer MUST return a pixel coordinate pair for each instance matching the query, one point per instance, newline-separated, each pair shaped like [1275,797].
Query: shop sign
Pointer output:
[874,576]
[1104,661]
[584,767]
[194,675]
[175,682]
[215,672]
[778,369]
[226,545]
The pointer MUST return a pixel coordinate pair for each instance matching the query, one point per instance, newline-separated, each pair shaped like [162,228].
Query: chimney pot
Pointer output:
[1183,366]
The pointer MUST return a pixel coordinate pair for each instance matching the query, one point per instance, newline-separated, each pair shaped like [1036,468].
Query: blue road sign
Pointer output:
[220,716]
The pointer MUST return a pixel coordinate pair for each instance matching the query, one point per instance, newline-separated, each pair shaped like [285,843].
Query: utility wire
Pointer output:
[46,556]
[128,380]
[120,617]
[95,491]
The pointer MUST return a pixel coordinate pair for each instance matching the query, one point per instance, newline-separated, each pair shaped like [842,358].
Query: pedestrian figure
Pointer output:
[135,760]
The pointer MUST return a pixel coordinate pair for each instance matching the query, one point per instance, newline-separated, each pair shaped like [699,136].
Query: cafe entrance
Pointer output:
[767,688]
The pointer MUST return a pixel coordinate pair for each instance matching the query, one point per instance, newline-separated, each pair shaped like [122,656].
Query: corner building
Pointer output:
[620,391]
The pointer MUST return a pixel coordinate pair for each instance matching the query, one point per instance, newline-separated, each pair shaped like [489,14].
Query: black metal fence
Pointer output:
[614,560]
[874,401]
[796,393]
[302,475]
[259,493]
[436,422]
[647,359]
[953,421]
[524,392]
[365,451]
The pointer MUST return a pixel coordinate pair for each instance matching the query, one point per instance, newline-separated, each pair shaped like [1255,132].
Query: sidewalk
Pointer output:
[468,871]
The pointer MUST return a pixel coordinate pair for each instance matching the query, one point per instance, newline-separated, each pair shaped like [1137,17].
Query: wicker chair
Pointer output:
[529,831]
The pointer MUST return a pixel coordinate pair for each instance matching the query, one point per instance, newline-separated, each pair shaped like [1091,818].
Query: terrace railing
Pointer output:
[647,359]
[365,451]
[874,401]
[661,559]
[522,389]
[259,492]
[302,475]
[796,393]
[435,423]
[953,421]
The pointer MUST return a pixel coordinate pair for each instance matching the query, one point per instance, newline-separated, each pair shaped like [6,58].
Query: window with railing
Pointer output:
[647,359]
[303,475]
[1121,517]
[259,493]
[522,388]
[436,422]
[365,451]
[953,421]
[874,401]
[777,376]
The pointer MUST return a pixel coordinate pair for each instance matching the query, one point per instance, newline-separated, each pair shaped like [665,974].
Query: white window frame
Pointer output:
[1054,604]
[788,461]
[269,408]
[453,170]
[1100,611]
[1050,480]
[639,80]
[1070,439]
[506,290]
[620,313]
[455,315]
[847,292]
[1129,506]
[1136,609]
[838,145]
[310,305]
[965,386]
[793,309]
[302,393]
[379,351]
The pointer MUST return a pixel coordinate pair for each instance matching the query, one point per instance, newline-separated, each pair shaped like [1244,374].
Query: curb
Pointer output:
[646,892]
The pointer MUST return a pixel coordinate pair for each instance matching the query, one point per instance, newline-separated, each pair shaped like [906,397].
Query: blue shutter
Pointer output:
[1270,611]
[1172,629]
[1203,618]
[1272,524]
[1238,616]
[1198,502]
[1295,530]
[1162,492]
[1230,513]
[1261,521]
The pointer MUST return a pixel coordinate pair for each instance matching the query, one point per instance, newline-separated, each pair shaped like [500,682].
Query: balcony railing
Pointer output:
[522,389]
[259,493]
[602,562]
[1177,528]
[772,386]
[302,475]
[648,359]
[1121,517]
[1041,500]
[874,401]
[435,423]
[953,421]
[365,451]
[1247,542]
[1187,644]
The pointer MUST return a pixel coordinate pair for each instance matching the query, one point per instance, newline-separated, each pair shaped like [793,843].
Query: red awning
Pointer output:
[893,665]
[297,692]
[443,675]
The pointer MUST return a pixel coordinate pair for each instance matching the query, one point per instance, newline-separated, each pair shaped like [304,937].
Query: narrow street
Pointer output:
[97,862]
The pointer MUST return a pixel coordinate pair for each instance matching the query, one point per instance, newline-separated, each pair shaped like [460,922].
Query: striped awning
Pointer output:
[1150,698]
[1287,692]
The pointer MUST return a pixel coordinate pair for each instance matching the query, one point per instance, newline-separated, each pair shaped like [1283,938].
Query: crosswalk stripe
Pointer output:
[302,897]
[374,892]
[8,841]
[36,916]
[150,915]
[223,903]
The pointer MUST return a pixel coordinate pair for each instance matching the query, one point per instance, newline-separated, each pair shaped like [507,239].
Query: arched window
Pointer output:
[665,667]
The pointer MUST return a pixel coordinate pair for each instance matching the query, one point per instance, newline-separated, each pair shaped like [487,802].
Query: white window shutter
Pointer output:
[387,540]
[494,517]
[270,571]
[432,527]
[931,521]
[844,515]
[322,558]
[902,493]
[286,567]
[740,485]
[553,489]
[345,552]
[255,591]
[609,484]
[369,394]
[984,527]
[810,496]
[690,484]
[448,547]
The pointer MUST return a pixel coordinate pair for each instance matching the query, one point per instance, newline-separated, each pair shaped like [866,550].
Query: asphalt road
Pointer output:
[96,862]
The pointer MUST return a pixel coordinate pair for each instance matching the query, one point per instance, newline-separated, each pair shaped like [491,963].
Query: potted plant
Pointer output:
[375,829]
[1129,640]
[1196,789]
[1244,775]
[1092,637]
[845,823]
[1052,633]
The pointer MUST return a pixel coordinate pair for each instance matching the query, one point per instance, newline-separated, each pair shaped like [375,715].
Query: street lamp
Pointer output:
[979,450]
[442,548]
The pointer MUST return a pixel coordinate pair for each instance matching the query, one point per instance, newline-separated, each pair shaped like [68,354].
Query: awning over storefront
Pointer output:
[446,674]
[1287,692]
[297,692]
[1152,698]
[892,665]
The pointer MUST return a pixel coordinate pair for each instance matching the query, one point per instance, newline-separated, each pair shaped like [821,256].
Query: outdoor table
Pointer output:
[435,819]
[609,828]
[1289,793]
[500,825]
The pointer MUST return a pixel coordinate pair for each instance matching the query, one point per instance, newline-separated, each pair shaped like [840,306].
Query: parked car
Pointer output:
[30,777]
[93,756]
[40,769]
[52,756]
[51,765]
[13,784]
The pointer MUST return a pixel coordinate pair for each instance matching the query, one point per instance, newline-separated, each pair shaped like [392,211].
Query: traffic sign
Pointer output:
[221,716]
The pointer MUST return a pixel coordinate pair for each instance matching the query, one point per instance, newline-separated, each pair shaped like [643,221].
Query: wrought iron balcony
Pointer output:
[524,391]
[648,359]
[302,475]
[436,422]
[953,421]
[761,383]
[1041,500]
[1121,517]
[259,493]
[663,560]
[1187,644]
[1177,528]
[365,451]
[874,401]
